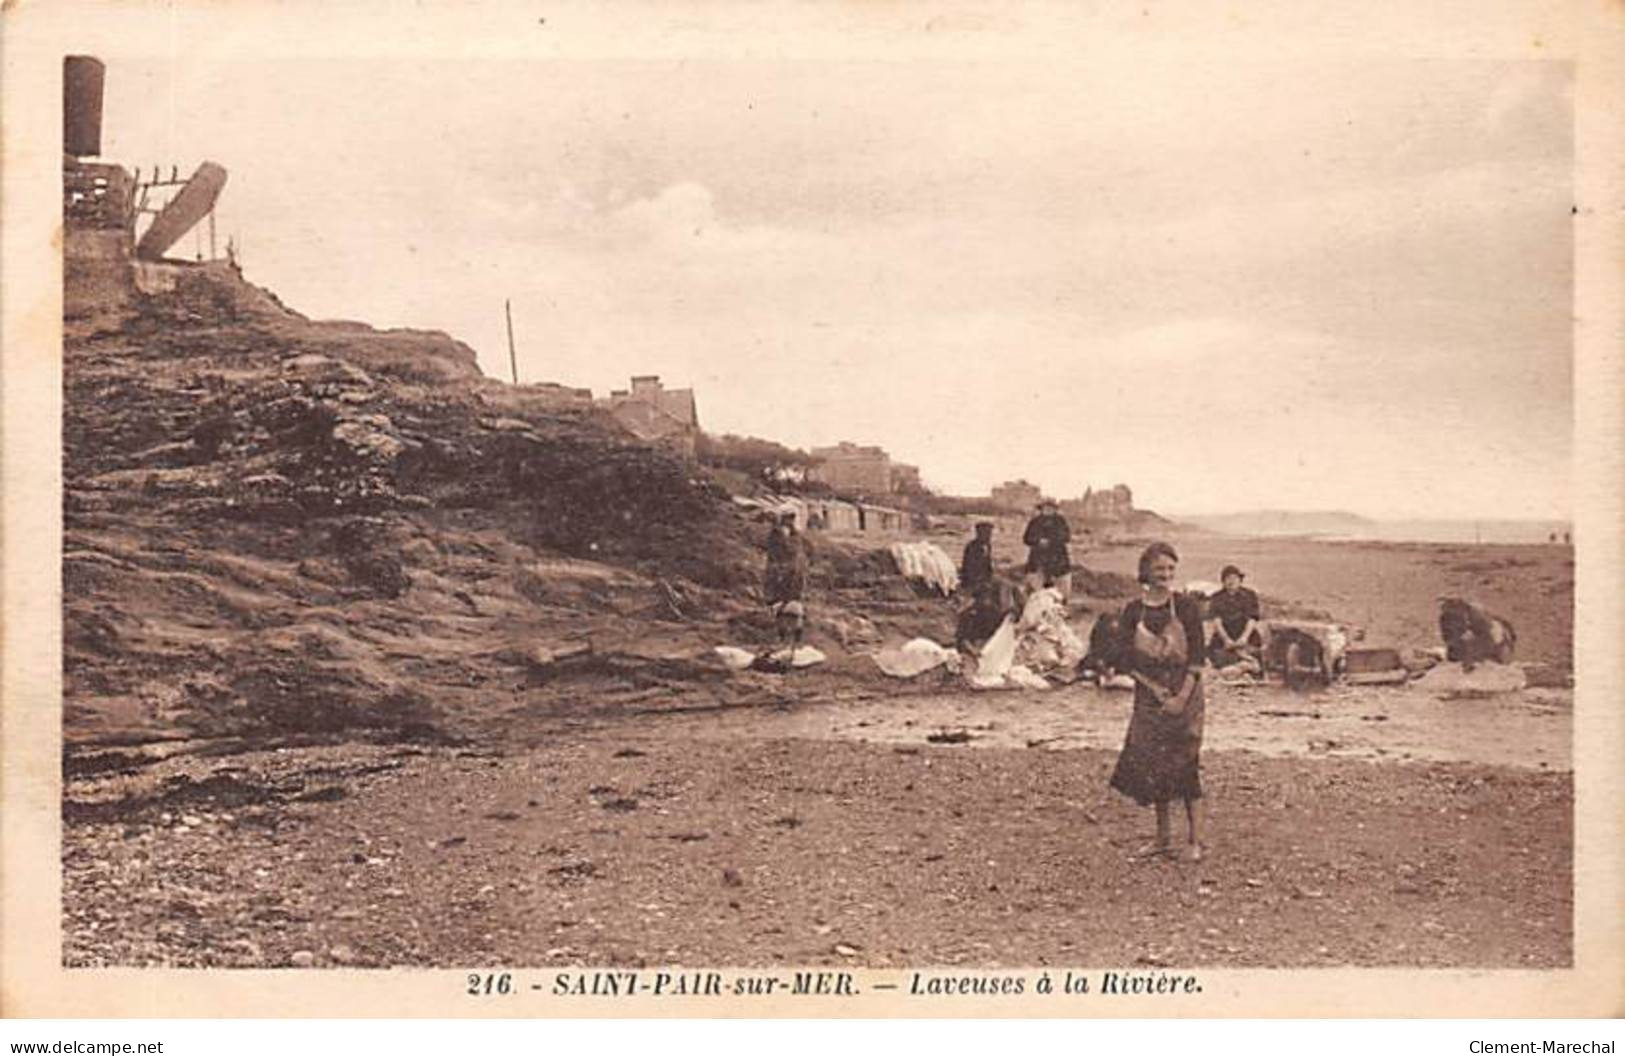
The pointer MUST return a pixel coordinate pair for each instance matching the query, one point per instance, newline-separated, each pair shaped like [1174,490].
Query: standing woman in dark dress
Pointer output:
[785,581]
[1160,645]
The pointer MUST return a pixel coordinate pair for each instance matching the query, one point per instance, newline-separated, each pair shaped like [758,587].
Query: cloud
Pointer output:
[678,213]
[1081,272]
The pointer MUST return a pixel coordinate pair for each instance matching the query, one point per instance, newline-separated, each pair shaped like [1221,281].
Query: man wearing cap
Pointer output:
[1235,621]
[976,569]
[988,599]
[1048,563]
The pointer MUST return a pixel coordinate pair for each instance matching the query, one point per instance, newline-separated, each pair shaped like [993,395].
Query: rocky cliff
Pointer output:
[277,528]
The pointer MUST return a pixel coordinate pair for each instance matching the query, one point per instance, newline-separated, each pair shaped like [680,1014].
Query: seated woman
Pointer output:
[1099,663]
[1235,628]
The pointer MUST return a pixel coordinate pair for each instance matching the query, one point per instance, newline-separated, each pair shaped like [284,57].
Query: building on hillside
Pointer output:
[104,262]
[852,468]
[99,205]
[833,515]
[905,479]
[649,411]
[98,248]
[828,515]
[1113,505]
[1017,495]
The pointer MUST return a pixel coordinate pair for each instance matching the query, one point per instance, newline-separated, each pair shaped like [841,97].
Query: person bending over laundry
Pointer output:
[1472,635]
[1097,664]
[981,619]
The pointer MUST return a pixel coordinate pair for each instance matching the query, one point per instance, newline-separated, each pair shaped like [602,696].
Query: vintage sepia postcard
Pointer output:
[812,509]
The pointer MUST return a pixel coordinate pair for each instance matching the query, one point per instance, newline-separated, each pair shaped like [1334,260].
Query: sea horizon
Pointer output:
[1359,528]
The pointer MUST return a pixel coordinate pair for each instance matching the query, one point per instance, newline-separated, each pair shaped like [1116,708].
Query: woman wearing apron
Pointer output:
[1160,647]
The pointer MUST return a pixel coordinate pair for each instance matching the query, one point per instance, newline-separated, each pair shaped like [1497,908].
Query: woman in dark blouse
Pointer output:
[1234,616]
[1160,645]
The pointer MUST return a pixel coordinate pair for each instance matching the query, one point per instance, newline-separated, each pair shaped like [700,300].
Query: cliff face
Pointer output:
[276,529]
[280,527]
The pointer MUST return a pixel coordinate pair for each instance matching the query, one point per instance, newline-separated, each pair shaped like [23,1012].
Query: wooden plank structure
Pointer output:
[195,201]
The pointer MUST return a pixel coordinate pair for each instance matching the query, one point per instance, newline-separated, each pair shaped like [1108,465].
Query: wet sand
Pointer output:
[838,818]
[1532,729]
[1389,590]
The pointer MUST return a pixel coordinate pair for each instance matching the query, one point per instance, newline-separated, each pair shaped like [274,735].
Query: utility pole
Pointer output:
[513,358]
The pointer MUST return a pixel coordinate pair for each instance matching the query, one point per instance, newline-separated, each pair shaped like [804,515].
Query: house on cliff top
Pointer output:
[1017,495]
[104,261]
[652,412]
[1115,504]
[862,469]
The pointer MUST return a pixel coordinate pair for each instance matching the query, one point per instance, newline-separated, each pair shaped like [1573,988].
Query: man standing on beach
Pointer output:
[976,568]
[1048,562]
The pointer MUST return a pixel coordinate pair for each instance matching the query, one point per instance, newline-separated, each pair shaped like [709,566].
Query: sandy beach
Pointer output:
[1391,589]
[364,669]
[824,819]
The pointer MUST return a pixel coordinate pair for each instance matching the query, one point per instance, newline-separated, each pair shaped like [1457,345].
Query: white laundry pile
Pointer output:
[1026,678]
[1239,674]
[1486,679]
[997,656]
[800,656]
[1044,640]
[926,562]
[737,659]
[996,666]
[915,657]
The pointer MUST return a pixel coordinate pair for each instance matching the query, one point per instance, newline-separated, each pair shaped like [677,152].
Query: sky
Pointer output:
[1278,282]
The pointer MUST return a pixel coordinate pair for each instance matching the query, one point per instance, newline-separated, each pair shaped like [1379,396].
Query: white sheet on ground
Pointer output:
[1483,680]
[735,658]
[1024,677]
[802,656]
[914,657]
[1241,673]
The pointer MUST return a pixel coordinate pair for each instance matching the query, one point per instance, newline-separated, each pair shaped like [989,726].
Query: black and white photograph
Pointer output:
[872,516]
